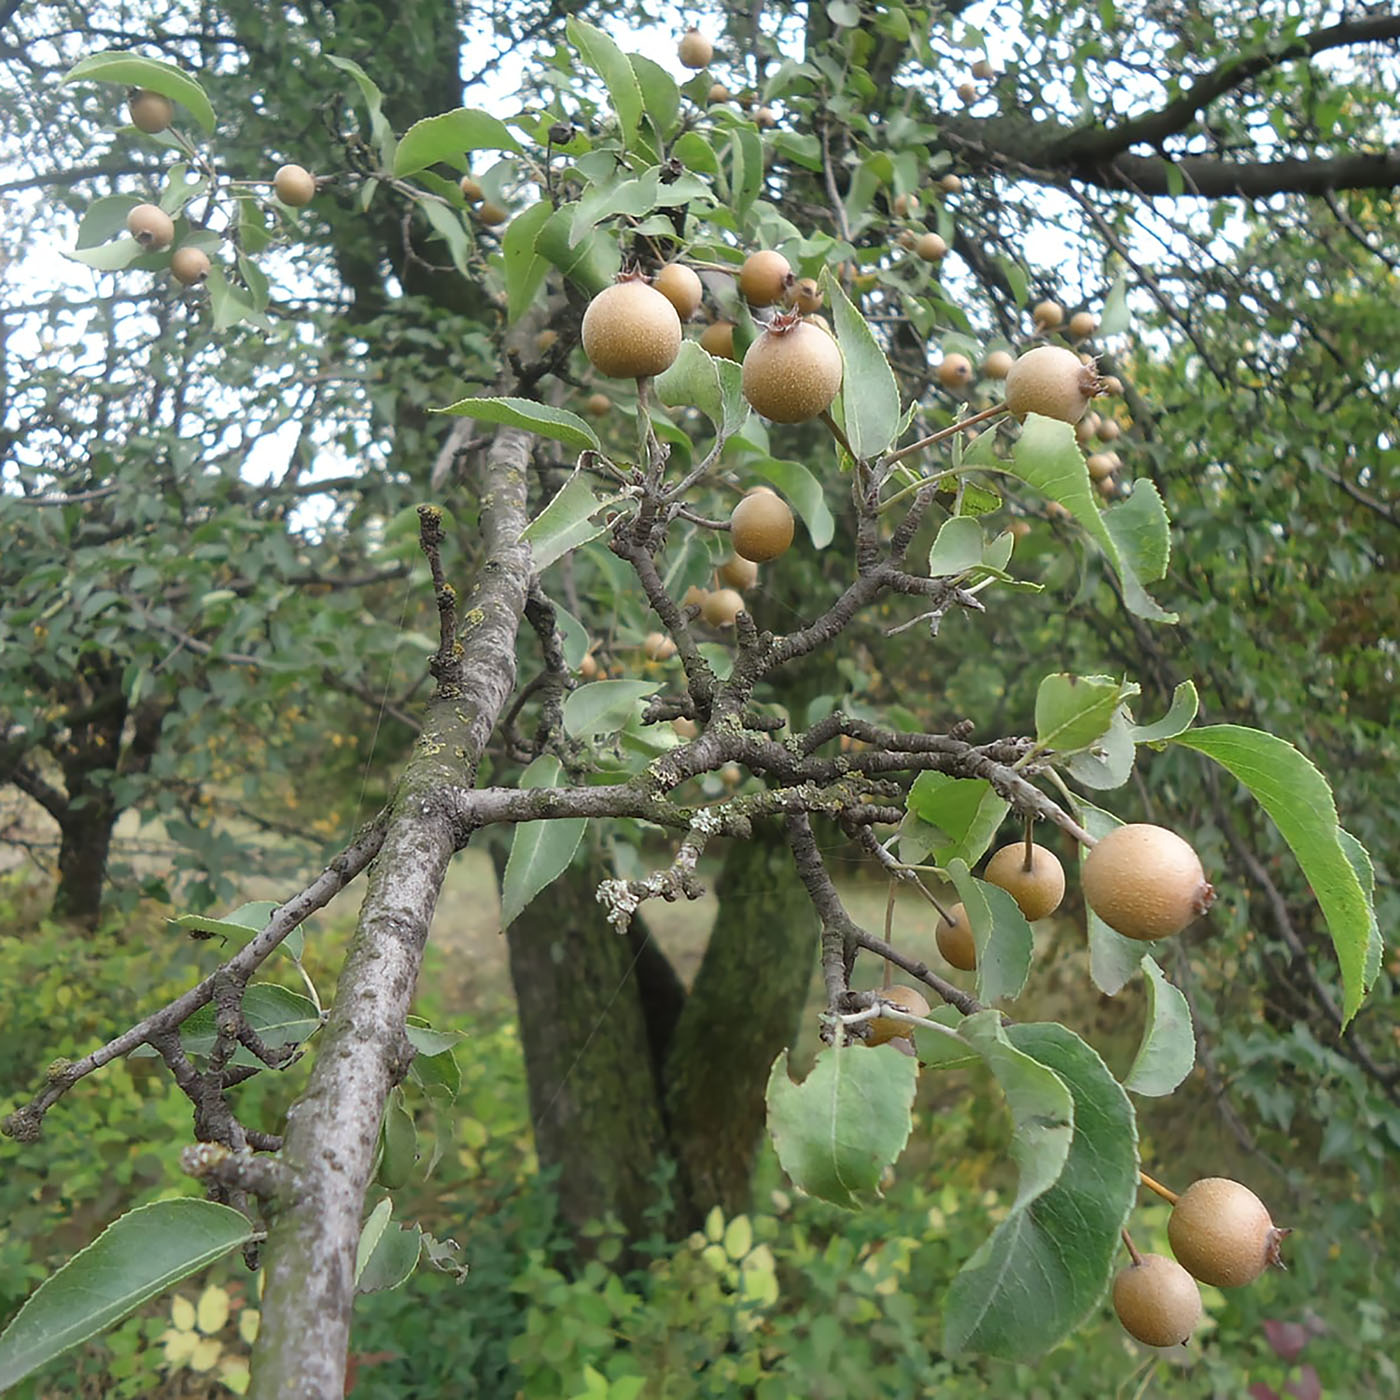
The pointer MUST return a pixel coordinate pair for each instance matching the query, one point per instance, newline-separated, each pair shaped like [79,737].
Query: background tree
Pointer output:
[836,168]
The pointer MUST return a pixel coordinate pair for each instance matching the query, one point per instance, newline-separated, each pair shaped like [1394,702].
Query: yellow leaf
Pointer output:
[738,1237]
[715,1257]
[248,1321]
[233,1371]
[182,1313]
[180,1347]
[205,1356]
[714,1225]
[212,1310]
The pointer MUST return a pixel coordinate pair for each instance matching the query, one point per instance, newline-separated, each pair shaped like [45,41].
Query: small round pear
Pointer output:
[1221,1232]
[294,185]
[680,286]
[805,296]
[630,330]
[189,266]
[721,607]
[761,527]
[738,572]
[1145,882]
[955,372]
[717,339]
[955,939]
[658,647]
[930,247]
[1048,315]
[765,277]
[1157,1301]
[998,364]
[471,189]
[950,184]
[880,1030]
[1082,325]
[792,371]
[695,50]
[1038,889]
[149,111]
[151,227]
[1050,380]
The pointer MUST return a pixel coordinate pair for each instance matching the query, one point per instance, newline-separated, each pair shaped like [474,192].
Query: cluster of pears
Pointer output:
[791,372]
[1220,1233]
[761,529]
[154,229]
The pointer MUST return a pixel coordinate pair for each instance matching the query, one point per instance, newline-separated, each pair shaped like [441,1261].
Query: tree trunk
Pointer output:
[626,1072]
[594,1095]
[86,841]
[744,1008]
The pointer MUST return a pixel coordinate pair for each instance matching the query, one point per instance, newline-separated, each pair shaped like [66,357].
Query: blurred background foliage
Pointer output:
[214,660]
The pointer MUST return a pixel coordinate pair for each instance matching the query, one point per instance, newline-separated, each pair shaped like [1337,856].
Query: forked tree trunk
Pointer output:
[627,1073]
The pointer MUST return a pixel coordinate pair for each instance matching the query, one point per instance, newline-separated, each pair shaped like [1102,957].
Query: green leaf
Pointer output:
[869,394]
[574,635]
[1041,1106]
[1045,1266]
[837,1131]
[380,129]
[540,852]
[1109,762]
[661,98]
[447,224]
[279,1016]
[631,197]
[1141,531]
[967,810]
[1004,939]
[603,707]
[591,264]
[611,64]
[109,257]
[525,269]
[398,1143]
[1168,1048]
[1177,719]
[1299,801]
[1071,712]
[564,523]
[246,918]
[424,1039]
[446,138]
[134,1259]
[1048,457]
[957,549]
[713,386]
[1114,318]
[803,490]
[392,1260]
[1113,959]
[131,70]
[1360,860]
[370,1234]
[104,218]
[538,418]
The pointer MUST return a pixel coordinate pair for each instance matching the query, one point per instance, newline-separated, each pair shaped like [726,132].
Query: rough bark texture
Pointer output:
[594,1097]
[332,1129]
[84,844]
[744,1007]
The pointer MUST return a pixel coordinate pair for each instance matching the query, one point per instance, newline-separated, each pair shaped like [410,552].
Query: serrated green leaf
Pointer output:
[279,1016]
[525,269]
[564,523]
[1177,719]
[967,810]
[957,548]
[540,852]
[1141,531]
[1046,1265]
[837,1131]
[803,490]
[446,138]
[603,707]
[661,98]
[869,394]
[541,419]
[131,70]
[1042,1108]
[1108,763]
[1005,943]
[704,382]
[1168,1047]
[1071,712]
[1299,802]
[1048,457]
[392,1260]
[134,1259]
[591,264]
[608,61]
